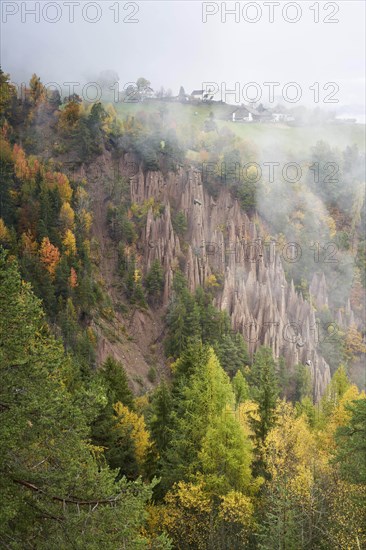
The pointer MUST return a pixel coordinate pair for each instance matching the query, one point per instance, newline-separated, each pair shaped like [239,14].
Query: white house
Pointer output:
[197,94]
[242,114]
[202,95]
[282,117]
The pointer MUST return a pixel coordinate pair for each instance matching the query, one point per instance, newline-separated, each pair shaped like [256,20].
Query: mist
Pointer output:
[169,44]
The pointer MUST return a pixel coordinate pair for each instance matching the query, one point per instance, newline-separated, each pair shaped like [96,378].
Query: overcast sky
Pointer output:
[171,46]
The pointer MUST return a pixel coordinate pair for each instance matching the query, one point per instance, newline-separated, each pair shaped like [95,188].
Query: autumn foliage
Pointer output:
[49,255]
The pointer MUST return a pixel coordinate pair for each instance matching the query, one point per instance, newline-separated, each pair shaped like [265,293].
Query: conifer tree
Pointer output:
[241,389]
[205,436]
[161,416]
[175,342]
[114,377]
[192,328]
[232,352]
[351,439]
[118,444]
[264,389]
[7,96]
[54,492]
[154,282]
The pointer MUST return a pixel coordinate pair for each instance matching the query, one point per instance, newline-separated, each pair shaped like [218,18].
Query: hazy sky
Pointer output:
[171,46]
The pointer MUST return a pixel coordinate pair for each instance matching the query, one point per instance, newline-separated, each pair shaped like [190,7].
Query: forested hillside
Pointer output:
[173,376]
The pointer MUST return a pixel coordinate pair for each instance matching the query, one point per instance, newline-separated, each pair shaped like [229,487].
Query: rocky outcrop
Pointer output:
[318,290]
[344,317]
[222,240]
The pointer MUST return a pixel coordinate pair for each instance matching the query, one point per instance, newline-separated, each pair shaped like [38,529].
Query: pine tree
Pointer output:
[179,282]
[116,436]
[181,94]
[179,223]
[232,352]
[69,324]
[154,282]
[264,389]
[135,291]
[176,342]
[192,327]
[214,323]
[161,416]
[114,378]
[62,280]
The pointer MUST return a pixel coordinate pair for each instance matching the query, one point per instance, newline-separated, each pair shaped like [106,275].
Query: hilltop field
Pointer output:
[296,137]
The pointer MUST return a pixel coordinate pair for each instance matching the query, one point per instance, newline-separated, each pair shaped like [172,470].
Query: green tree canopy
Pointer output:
[54,491]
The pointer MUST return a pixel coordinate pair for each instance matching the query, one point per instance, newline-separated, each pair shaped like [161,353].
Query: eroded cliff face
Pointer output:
[220,240]
[223,241]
